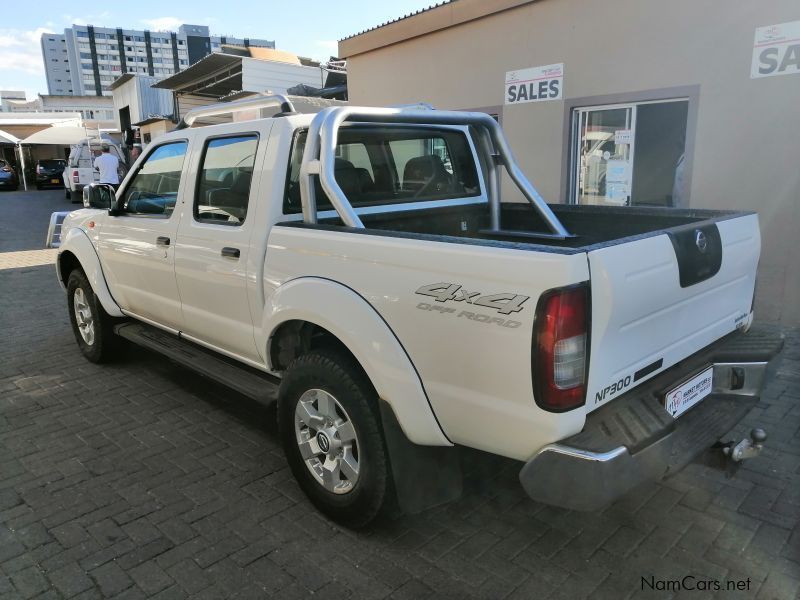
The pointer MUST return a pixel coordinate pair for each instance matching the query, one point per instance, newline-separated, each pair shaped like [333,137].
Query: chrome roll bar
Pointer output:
[223,108]
[320,154]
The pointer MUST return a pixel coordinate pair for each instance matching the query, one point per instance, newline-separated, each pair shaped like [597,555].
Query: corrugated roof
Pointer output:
[204,67]
[408,16]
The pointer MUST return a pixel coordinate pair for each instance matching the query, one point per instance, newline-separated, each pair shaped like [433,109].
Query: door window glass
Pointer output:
[633,154]
[226,172]
[154,188]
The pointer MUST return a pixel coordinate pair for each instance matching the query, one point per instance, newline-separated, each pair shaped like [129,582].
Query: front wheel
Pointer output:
[330,429]
[91,324]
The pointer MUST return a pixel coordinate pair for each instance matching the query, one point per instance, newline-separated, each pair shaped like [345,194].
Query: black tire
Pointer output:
[339,375]
[67,193]
[105,345]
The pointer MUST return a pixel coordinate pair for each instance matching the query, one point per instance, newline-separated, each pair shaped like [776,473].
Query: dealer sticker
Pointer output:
[686,395]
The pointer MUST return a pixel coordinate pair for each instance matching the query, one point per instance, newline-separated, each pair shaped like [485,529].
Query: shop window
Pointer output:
[629,154]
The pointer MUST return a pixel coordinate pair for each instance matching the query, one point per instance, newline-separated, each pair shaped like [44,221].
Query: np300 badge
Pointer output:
[505,304]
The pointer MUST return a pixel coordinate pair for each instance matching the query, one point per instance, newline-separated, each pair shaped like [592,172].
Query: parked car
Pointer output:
[396,310]
[8,176]
[80,165]
[49,172]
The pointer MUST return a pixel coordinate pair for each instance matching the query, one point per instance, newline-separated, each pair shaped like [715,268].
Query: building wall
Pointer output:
[747,130]
[56,61]
[267,75]
[142,100]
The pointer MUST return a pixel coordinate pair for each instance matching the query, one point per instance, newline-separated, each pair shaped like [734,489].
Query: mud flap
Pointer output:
[424,476]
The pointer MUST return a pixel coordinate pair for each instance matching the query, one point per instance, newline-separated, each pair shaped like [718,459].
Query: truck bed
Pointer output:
[592,227]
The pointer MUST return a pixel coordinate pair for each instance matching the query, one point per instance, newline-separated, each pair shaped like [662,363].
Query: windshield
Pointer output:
[377,165]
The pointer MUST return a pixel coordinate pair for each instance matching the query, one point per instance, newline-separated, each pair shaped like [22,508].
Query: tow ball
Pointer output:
[733,453]
[746,448]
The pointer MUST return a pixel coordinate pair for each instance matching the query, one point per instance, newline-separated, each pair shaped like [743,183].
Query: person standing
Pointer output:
[108,166]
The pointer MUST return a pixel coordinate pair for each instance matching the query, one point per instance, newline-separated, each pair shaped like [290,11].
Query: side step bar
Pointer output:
[245,380]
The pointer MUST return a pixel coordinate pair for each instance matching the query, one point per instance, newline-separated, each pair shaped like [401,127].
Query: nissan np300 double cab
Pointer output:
[359,267]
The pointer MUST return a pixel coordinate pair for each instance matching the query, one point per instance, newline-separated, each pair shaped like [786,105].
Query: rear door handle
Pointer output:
[229,252]
[162,240]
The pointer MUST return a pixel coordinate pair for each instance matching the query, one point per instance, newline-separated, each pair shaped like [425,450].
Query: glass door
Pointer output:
[602,155]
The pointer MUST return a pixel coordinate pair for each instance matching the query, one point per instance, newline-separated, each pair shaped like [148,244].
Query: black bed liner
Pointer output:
[593,227]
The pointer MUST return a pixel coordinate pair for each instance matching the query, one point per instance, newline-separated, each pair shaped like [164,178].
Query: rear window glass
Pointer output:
[52,163]
[391,165]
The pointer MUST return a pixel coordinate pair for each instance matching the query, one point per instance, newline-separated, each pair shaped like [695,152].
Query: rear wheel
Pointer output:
[66,193]
[91,324]
[330,429]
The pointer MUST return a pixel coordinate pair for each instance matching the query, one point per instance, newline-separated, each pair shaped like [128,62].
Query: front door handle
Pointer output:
[229,252]
[162,240]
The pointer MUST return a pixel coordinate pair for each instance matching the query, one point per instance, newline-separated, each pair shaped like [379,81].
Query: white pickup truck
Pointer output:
[359,267]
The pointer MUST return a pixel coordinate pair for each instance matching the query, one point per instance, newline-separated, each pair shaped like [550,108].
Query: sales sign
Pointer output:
[535,84]
[776,50]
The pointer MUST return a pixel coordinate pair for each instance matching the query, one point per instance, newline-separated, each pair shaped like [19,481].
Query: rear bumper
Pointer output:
[634,439]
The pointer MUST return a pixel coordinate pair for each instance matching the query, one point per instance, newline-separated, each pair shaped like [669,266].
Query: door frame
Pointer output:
[690,93]
[573,174]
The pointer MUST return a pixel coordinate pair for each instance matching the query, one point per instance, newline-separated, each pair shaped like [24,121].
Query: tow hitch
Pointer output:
[746,448]
[734,453]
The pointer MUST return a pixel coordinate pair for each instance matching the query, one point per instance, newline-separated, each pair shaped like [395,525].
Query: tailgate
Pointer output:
[660,299]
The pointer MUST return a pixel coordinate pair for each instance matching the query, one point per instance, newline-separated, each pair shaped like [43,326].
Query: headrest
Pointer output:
[341,163]
[242,183]
[423,167]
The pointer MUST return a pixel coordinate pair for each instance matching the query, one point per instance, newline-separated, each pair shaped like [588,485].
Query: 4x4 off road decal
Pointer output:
[505,304]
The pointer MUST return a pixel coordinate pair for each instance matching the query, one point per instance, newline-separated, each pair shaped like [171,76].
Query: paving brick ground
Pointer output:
[139,480]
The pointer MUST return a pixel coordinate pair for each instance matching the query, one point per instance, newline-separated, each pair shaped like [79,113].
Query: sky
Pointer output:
[306,27]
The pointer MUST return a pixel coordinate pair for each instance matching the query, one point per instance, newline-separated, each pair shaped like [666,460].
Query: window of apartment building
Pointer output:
[181,42]
[51,39]
[82,34]
[52,49]
[127,38]
[54,59]
[183,62]
[630,154]
[138,38]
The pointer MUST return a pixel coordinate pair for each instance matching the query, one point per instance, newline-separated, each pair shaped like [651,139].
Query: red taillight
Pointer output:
[560,348]
[76,177]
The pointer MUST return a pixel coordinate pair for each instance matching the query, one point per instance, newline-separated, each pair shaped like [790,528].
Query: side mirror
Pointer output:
[99,195]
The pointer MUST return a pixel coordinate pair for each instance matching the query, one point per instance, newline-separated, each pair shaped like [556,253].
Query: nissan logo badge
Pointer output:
[700,240]
[324,443]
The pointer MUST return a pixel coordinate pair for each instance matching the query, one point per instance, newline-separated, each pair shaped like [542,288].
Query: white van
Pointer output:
[80,165]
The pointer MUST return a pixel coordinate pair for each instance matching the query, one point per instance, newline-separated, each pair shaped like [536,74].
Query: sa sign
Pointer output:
[776,50]
[535,84]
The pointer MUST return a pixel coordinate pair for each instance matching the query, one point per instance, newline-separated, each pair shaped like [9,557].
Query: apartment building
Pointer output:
[85,60]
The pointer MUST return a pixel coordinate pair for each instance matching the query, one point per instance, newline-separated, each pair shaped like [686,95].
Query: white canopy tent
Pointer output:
[59,136]
[56,135]
[7,138]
